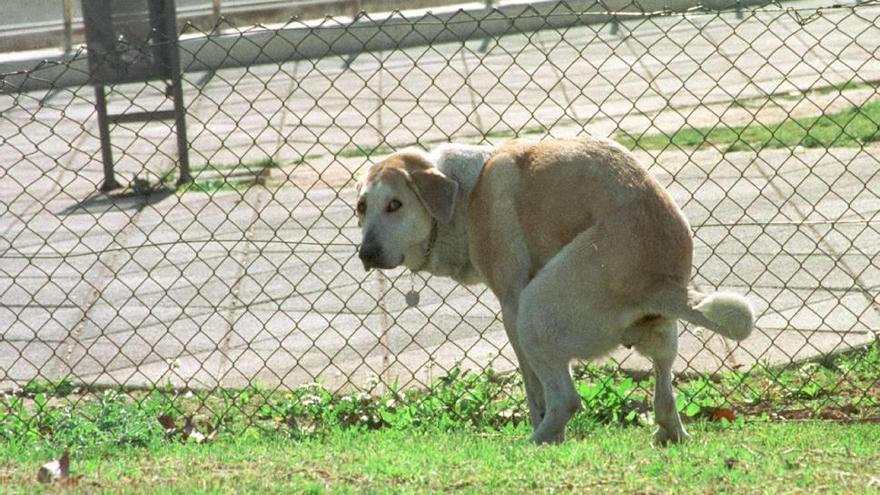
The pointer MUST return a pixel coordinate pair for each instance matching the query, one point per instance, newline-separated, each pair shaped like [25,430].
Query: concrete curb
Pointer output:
[345,36]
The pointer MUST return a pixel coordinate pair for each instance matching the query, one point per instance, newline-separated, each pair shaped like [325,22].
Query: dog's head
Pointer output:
[399,198]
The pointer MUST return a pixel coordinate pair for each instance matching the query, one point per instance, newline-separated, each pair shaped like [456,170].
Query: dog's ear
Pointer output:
[360,180]
[437,192]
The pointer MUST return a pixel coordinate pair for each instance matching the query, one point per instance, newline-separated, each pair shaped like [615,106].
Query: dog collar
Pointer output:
[431,241]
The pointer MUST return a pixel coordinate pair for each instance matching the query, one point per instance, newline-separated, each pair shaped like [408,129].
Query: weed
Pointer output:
[213,185]
[108,419]
[58,388]
[853,127]
[366,152]
[206,181]
[509,133]
[613,402]
[699,395]
[306,158]
[57,414]
[267,162]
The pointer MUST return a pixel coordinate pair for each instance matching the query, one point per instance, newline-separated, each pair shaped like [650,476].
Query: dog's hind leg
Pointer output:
[538,330]
[659,341]
[551,367]
[562,315]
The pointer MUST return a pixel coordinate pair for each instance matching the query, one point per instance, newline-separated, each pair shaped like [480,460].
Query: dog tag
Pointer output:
[412,299]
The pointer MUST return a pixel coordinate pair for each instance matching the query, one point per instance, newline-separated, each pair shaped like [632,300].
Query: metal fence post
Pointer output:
[110,182]
[68,22]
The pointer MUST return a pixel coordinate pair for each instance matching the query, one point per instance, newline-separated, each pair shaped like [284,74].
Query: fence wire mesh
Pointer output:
[762,123]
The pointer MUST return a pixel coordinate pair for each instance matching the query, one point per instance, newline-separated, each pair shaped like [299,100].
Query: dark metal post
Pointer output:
[129,41]
[177,95]
[180,125]
[216,8]
[104,128]
[68,20]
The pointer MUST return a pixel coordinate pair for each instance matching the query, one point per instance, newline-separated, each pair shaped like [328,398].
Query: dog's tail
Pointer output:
[726,313]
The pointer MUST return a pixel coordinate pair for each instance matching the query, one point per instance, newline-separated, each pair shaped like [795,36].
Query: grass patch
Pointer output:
[365,152]
[535,130]
[213,185]
[509,134]
[844,385]
[205,179]
[307,157]
[844,86]
[848,128]
[764,457]
[267,162]
[466,432]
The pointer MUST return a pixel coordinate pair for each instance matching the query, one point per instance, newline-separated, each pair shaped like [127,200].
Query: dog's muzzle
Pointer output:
[371,255]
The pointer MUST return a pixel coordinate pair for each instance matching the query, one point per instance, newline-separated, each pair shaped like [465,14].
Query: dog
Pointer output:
[583,248]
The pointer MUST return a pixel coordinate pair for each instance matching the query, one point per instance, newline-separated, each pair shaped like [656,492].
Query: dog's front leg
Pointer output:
[509,284]
[534,391]
[500,254]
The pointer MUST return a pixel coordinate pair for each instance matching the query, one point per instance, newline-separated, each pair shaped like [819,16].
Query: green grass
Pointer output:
[203,184]
[305,158]
[267,162]
[853,127]
[759,101]
[360,151]
[213,185]
[510,134]
[466,432]
[812,457]
[849,128]
[844,86]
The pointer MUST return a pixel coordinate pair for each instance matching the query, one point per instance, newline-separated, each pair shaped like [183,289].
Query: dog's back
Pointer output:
[562,188]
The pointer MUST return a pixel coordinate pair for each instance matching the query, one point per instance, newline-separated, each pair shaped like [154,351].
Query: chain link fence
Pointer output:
[762,123]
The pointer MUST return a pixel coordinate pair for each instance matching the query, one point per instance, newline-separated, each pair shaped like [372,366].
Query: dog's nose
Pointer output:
[370,255]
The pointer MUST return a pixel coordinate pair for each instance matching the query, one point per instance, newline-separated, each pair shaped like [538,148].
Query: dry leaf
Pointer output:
[54,471]
[719,413]
[832,414]
[190,432]
[212,432]
[167,422]
[291,422]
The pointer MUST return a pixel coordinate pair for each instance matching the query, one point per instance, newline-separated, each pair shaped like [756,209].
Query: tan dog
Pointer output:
[583,248]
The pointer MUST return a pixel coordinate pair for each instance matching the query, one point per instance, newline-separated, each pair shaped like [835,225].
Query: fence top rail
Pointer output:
[296,39]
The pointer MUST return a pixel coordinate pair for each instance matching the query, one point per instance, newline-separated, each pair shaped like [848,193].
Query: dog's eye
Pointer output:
[361,207]
[393,206]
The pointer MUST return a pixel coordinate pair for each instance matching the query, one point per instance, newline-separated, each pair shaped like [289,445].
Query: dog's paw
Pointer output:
[663,437]
[547,439]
